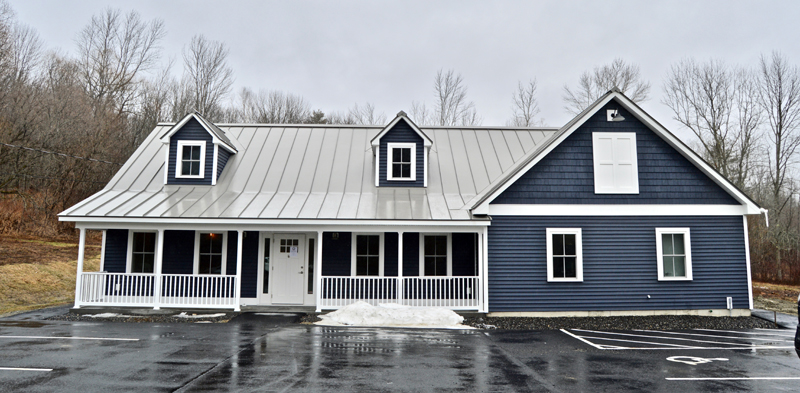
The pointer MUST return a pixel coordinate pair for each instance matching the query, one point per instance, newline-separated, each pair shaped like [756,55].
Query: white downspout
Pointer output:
[79,275]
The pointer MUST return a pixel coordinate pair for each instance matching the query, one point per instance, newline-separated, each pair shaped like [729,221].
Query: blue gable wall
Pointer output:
[222,159]
[115,255]
[401,133]
[619,265]
[191,131]
[566,175]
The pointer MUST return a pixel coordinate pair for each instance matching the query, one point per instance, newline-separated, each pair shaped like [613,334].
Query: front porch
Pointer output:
[272,268]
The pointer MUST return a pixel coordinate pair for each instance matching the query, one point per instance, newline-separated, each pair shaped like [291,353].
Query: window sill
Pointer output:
[564,280]
[674,279]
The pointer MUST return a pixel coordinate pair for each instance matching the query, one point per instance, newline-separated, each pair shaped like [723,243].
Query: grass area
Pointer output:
[776,297]
[36,273]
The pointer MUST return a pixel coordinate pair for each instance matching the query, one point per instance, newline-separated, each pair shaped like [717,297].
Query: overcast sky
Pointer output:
[337,53]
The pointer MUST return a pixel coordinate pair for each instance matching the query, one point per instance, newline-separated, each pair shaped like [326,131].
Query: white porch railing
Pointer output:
[456,293]
[136,289]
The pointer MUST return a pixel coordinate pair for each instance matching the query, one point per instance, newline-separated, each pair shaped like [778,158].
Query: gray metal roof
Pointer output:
[314,172]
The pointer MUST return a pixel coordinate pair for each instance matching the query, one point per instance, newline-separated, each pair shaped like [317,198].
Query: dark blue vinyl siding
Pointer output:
[566,175]
[222,159]
[336,254]
[249,263]
[191,131]
[464,254]
[115,256]
[178,252]
[233,243]
[401,133]
[619,265]
[411,254]
[390,254]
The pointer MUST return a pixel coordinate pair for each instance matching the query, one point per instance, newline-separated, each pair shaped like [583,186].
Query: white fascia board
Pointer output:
[165,138]
[616,210]
[427,142]
[214,139]
[507,183]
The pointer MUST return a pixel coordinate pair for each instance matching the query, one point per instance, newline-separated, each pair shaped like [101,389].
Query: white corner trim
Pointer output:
[179,159]
[389,161]
[687,245]
[747,258]
[578,251]
[214,166]
[615,210]
[377,166]
[166,165]
[425,167]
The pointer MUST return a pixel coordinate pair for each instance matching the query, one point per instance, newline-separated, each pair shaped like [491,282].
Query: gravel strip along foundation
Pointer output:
[142,318]
[652,322]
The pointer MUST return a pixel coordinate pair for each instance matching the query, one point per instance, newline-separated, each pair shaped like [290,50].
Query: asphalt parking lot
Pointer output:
[270,353]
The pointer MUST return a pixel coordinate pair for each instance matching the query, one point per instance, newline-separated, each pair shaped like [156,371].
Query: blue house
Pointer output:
[610,214]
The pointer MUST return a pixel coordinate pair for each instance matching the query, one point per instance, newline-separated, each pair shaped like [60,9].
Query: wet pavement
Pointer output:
[271,353]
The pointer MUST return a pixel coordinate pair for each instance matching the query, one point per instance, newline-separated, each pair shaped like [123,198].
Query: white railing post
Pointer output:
[400,293]
[318,272]
[78,283]
[238,283]
[159,265]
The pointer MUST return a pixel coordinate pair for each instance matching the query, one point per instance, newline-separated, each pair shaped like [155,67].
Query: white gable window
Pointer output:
[615,163]
[402,161]
[674,251]
[564,254]
[191,160]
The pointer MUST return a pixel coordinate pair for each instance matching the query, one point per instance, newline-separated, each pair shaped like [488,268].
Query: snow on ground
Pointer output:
[185,315]
[394,315]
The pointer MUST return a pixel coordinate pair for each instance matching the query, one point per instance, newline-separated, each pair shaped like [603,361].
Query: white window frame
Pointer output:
[196,267]
[599,186]
[179,162]
[422,253]
[129,262]
[354,243]
[578,257]
[687,245]
[389,167]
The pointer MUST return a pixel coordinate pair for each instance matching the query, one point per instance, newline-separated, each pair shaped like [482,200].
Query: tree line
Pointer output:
[96,107]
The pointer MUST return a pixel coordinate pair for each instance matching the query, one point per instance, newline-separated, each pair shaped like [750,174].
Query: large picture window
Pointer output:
[402,161]
[143,252]
[367,253]
[564,254]
[211,253]
[673,249]
[191,159]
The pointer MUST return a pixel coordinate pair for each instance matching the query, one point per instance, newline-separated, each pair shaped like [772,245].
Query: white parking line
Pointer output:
[734,331]
[579,338]
[661,345]
[637,342]
[712,335]
[730,379]
[665,338]
[73,338]
[24,369]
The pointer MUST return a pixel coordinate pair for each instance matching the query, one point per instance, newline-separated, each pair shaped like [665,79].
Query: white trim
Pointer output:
[79,273]
[318,273]
[389,161]
[672,140]
[178,126]
[353,244]
[601,185]
[616,210]
[214,167]
[376,141]
[103,252]
[425,167]
[687,245]
[421,254]
[159,266]
[282,224]
[484,272]
[747,258]
[578,251]
[166,166]
[377,167]
[129,258]
[179,159]
[196,263]
[239,244]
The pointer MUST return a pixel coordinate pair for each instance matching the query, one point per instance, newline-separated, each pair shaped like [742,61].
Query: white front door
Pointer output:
[287,268]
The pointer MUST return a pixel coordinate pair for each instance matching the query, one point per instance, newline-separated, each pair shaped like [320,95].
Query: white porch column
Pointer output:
[400,293]
[159,265]
[318,272]
[239,243]
[484,264]
[79,276]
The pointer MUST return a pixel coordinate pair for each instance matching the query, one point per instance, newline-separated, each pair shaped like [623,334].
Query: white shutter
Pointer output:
[615,163]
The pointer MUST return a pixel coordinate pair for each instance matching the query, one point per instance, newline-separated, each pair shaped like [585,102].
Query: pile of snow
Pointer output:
[184,315]
[392,314]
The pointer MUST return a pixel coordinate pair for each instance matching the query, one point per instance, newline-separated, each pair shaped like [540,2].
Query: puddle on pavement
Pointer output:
[24,324]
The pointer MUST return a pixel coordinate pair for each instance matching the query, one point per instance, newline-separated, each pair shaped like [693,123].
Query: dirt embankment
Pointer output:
[774,297]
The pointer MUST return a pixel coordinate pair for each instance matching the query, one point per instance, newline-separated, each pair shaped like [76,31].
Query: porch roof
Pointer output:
[313,172]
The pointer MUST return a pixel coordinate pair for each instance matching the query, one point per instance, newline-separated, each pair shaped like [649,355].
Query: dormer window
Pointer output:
[402,161]
[191,159]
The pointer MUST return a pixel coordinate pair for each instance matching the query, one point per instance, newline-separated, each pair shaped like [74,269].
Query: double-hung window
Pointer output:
[616,168]
[211,253]
[435,256]
[402,161]
[367,252]
[564,254]
[674,252]
[191,159]
[143,252]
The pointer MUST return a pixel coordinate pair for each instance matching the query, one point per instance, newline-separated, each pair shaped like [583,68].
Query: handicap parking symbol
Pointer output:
[692,360]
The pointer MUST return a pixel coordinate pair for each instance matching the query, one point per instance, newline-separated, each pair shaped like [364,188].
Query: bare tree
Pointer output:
[113,50]
[526,107]
[366,114]
[209,78]
[592,85]
[273,107]
[717,104]
[452,107]
[779,96]
[420,114]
